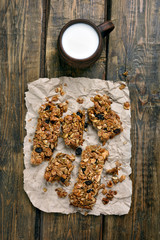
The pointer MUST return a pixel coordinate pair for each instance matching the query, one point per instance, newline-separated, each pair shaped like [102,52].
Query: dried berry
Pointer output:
[85,125]
[38,149]
[47,121]
[99,116]
[78,151]
[89,190]
[89,182]
[47,108]
[116,131]
[62,179]
[79,114]
[53,122]
[83,170]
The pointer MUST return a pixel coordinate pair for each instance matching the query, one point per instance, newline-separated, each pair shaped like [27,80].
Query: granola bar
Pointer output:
[59,169]
[105,120]
[86,188]
[72,128]
[47,132]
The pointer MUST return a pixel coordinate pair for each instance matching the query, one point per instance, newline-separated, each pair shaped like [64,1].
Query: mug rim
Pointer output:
[70,23]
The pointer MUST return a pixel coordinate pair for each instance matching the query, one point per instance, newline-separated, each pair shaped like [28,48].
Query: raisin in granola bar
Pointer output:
[86,188]
[47,132]
[105,120]
[59,169]
[72,128]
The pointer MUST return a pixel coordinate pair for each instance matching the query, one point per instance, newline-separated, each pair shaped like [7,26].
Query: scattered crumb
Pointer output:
[122,86]
[125,73]
[104,191]
[61,192]
[115,180]
[126,105]
[122,178]
[55,98]
[65,84]
[29,119]
[44,189]
[125,142]
[47,99]
[110,184]
[30,140]
[80,100]
[60,90]
[86,213]
[102,186]
[105,201]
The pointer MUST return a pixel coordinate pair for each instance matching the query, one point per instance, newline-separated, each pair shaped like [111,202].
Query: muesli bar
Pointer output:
[72,128]
[47,132]
[86,188]
[59,169]
[105,120]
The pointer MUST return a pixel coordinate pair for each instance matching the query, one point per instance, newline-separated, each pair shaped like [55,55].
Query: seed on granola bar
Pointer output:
[87,186]
[72,129]
[103,119]
[78,151]
[59,169]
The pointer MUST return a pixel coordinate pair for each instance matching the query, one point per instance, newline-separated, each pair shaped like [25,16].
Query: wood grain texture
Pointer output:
[62,12]
[20,43]
[134,46]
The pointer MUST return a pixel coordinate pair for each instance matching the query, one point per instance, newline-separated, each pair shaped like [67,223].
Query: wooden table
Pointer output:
[28,38]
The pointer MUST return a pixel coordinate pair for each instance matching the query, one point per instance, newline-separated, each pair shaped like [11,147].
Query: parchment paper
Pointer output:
[119,147]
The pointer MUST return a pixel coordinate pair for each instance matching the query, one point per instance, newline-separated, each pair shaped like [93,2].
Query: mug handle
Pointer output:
[105,28]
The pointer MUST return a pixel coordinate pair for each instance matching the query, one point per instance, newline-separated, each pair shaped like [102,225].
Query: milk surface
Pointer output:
[80,41]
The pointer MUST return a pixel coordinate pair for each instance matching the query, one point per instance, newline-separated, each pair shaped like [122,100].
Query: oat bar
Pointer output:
[105,120]
[86,188]
[47,132]
[72,128]
[59,169]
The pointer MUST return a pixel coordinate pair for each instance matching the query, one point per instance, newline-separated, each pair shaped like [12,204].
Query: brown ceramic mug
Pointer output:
[80,42]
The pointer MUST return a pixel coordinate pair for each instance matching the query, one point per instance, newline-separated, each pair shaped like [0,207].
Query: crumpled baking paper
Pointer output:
[119,147]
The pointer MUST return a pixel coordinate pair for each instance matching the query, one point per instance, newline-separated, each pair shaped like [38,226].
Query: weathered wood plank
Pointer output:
[75,226]
[62,12]
[134,46]
[20,43]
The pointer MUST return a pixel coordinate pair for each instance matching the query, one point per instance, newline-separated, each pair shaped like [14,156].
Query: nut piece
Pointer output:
[72,128]
[80,100]
[61,192]
[59,169]
[105,120]
[126,105]
[110,184]
[86,188]
[60,90]
[47,132]
[122,86]
[114,171]
[122,178]
[55,98]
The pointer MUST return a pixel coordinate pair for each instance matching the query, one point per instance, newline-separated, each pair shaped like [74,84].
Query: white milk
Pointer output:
[80,40]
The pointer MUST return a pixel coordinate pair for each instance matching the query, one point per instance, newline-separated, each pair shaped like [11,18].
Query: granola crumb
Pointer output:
[105,201]
[104,191]
[125,73]
[122,178]
[30,140]
[55,98]
[110,184]
[102,186]
[65,84]
[86,213]
[44,189]
[122,86]
[61,192]
[126,105]
[29,120]
[80,100]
